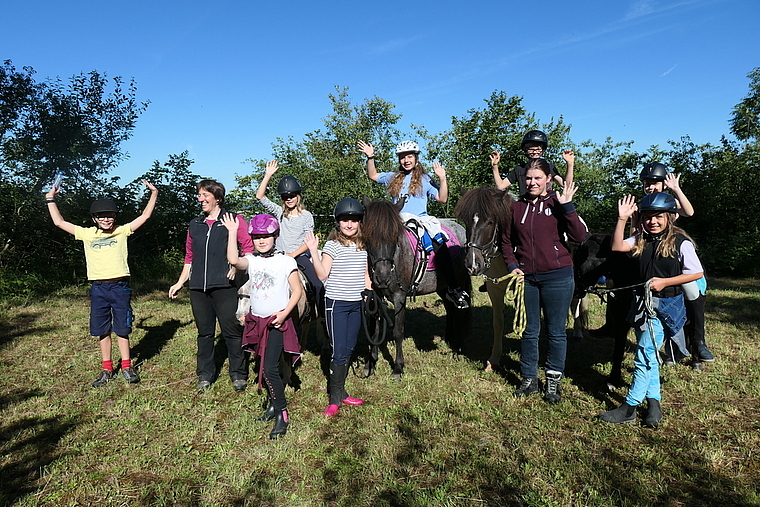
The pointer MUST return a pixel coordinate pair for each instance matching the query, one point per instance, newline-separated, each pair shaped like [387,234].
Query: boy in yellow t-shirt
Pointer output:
[105,251]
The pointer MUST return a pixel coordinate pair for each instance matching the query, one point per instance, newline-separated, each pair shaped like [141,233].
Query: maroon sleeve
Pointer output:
[188,249]
[243,238]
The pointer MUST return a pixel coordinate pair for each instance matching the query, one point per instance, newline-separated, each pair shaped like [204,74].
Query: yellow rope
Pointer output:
[515,296]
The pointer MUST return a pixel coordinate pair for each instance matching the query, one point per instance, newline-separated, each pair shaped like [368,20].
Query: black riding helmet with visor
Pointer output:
[103,209]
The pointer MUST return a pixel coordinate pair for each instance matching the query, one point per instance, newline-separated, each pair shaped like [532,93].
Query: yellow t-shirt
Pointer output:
[105,252]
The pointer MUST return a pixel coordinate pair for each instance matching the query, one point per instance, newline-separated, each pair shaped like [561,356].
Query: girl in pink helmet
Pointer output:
[275,290]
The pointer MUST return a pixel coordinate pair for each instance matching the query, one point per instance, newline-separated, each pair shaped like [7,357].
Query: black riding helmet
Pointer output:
[535,136]
[103,206]
[659,202]
[289,185]
[348,206]
[655,171]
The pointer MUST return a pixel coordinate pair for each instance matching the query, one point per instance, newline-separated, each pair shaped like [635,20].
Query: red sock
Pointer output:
[108,365]
[126,363]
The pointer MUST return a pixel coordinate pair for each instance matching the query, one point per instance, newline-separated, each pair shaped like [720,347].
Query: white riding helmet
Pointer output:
[407,147]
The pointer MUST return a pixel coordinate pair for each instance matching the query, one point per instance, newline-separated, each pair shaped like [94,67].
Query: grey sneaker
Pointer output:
[552,394]
[103,377]
[239,384]
[130,375]
[529,386]
[203,385]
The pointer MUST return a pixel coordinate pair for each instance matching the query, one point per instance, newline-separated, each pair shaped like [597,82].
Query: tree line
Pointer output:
[75,128]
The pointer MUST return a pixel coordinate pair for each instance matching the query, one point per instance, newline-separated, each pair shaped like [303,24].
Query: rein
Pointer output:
[375,307]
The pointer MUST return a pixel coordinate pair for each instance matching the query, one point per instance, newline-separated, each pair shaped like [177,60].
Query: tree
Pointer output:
[745,120]
[326,161]
[75,128]
[465,148]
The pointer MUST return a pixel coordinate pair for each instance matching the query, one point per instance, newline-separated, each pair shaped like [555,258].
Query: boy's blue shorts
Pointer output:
[110,308]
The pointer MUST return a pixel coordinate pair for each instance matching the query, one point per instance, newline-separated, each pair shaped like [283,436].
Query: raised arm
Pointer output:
[626,208]
[369,152]
[55,213]
[501,183]
[230,221]
[443,185]
[148,211]
[569,157]
[673,182]
[322,265]
[268,173]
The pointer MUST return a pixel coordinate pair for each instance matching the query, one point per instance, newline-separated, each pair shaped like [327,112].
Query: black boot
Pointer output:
[338,383]
[280,425]
[695,330]
[624,414]
[654,413]
[268,414]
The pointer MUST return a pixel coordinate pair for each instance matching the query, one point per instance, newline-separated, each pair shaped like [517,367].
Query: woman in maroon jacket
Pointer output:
[534,248]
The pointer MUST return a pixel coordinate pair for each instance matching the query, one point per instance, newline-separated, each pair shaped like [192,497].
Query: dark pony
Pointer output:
[486,213]
[392,262]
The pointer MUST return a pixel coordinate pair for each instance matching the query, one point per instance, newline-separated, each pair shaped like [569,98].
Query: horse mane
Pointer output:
[382,223]
[485,202]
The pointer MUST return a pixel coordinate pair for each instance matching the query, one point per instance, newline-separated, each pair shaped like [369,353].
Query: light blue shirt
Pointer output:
[415,204]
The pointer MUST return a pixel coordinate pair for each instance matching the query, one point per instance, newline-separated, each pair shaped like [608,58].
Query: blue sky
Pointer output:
[226,78]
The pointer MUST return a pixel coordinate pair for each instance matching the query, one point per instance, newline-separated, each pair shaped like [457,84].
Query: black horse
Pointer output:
[392,261]
[594,259]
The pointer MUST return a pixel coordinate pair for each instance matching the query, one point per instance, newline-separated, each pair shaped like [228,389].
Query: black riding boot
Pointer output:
[338,383]
[624,414]
[454,293]
[269,413]
[281,423]
[654,413]
[695,330]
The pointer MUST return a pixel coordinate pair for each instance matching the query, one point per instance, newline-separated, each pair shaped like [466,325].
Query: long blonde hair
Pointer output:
[415,185]
[298,207]
[667,244]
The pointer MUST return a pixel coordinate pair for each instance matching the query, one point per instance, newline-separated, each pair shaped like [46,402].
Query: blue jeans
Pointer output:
[646,369]
[554,297]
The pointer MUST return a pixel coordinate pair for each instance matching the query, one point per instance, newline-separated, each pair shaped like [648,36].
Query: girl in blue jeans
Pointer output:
[667,260]
[533,247]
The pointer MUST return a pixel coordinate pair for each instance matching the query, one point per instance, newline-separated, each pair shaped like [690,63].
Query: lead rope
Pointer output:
[515,296]
[651,314]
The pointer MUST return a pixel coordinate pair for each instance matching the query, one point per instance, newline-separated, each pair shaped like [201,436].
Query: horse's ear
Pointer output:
[400,203]
[365,201]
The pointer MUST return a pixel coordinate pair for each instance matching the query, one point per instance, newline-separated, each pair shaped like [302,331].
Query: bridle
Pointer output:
[490,250]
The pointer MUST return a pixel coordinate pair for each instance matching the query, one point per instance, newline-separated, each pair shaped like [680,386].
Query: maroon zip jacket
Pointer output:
[535,241]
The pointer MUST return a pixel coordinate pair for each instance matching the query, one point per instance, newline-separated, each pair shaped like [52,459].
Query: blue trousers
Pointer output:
[343,320]
[646,369]
[554,297]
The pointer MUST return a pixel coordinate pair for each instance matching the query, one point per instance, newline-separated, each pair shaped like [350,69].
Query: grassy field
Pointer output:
[448,434]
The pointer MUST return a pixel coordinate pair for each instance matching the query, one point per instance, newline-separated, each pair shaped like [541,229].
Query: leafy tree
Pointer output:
[465,148]
[326,161]
[745,120]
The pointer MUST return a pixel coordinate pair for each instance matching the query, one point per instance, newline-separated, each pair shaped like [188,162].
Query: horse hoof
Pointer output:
[491,367]
[396,377]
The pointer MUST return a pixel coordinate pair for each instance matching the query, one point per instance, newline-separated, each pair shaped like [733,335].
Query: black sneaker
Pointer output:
[130,375]
[529,386]
[458,297]
[103,377]
[240,384]
[552,394]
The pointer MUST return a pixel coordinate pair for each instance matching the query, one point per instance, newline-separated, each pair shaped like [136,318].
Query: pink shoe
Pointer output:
[331,410]
[353,401]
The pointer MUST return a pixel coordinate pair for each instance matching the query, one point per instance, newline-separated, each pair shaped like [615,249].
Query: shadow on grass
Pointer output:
[28,446]
[19,325]
[156,337]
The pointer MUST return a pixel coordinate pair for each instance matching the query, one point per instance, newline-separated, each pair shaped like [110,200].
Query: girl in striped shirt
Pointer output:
[343,268]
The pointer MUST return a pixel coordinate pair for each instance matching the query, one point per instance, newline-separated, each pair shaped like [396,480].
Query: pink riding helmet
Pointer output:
[264,224]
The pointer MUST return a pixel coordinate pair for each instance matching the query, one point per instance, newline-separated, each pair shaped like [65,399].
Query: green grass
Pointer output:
[448,434]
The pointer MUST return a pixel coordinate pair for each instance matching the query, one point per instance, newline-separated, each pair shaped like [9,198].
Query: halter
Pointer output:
[490,250]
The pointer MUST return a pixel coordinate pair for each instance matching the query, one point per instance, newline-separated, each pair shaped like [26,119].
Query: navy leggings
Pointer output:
[344,320]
